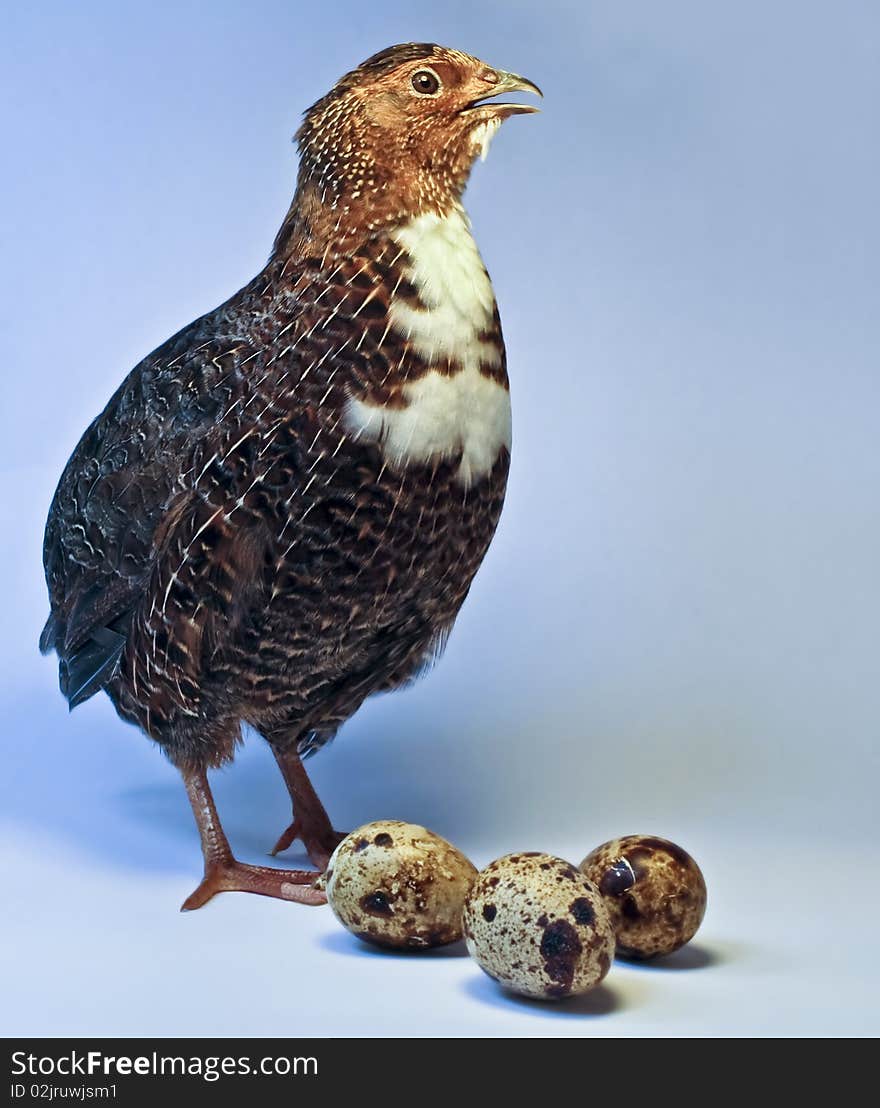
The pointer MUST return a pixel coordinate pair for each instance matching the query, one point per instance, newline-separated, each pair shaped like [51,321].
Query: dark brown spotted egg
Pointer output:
[537,925]
[399,885]
[654,890]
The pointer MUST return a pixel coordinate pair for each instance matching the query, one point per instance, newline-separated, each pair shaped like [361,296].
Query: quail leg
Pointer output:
[223,873]
[310,820]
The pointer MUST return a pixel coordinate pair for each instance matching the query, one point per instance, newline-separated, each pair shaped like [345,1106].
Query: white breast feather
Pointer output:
[445,414]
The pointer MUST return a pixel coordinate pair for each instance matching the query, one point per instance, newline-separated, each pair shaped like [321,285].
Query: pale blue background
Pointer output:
[677,627]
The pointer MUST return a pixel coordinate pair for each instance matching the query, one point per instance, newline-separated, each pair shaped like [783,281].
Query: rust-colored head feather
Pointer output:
[396,137]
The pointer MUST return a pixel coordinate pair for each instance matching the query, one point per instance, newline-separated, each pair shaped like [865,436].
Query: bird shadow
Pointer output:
[600,1001]
[117,800]
[342,942]
[358,781]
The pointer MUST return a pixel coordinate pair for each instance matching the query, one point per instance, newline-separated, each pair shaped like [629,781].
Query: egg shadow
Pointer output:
[601,1001]
[690,957]
[343,942]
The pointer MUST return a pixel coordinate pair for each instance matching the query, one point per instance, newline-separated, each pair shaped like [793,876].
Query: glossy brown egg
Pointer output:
[654,891]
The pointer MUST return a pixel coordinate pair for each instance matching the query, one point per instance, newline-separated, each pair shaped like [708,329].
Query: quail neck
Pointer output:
[394,139]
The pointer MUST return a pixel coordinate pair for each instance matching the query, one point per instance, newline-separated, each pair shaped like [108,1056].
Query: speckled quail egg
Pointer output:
[538,926]
[399,885]
[654,890]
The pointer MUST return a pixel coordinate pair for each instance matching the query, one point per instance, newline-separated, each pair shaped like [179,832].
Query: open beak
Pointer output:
[502,83]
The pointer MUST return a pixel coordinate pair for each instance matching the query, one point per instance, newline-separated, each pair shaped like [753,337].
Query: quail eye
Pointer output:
[425,82]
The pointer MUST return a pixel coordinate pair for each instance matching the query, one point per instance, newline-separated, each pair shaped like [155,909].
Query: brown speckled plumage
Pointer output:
[265,566]
[223,546]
